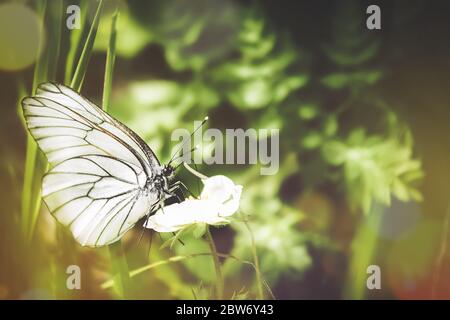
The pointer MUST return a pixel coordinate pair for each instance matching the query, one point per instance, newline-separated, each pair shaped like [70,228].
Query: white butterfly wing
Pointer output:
[99,167]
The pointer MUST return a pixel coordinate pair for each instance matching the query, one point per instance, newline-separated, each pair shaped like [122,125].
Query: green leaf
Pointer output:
[355,79]
[334,152]
[308,111]
[349,57]
[374,168]
[81,69]
[312,140]
[330,127]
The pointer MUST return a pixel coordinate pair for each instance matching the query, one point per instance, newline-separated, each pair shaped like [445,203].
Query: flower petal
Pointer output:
[219,199]
[230,206]
[176,216]
[217,188]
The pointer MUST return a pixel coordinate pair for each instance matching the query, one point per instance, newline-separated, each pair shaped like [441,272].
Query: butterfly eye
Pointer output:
[168,170]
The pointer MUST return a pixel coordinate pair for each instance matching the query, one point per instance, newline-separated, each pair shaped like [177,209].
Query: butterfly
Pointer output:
[103,177]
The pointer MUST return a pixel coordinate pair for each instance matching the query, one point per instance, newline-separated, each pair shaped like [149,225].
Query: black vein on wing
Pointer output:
[130,133]
[111,175]
[115,215]
[71,186]
[84,124]
[90,124]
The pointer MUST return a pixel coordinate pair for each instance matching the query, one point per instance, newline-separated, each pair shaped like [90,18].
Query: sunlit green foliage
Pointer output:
[280,244]
[374,168]
[260,73]
[259,77]
[338,138]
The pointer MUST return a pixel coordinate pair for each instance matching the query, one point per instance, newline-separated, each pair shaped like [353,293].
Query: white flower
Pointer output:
[222,190]
[219,199]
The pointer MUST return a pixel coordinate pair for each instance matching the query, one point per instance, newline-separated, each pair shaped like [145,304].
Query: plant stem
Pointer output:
[31,199]
[80,71]
[363,247]
[76,36]
[110,283]
[110,60]
[194,172]
[219,276]
[118,258]
[255,261]
[30,159]
[120,269]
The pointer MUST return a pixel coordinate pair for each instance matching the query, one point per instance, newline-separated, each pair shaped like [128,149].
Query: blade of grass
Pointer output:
[117,254]
[28,192]
[31,200]
[110,60]
[54,34]
[110,283]
[76,36]
[30,158]
[80,71]
[364,245]
[54,16]
[219,275]
[21,93]
[121,278]
[255,259]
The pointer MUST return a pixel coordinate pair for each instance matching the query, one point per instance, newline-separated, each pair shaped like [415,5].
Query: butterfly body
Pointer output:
[103,177]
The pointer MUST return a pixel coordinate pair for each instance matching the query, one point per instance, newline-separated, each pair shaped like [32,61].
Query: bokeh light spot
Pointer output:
[20,34]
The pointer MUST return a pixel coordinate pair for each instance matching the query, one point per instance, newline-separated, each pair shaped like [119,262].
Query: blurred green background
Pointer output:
[363,115]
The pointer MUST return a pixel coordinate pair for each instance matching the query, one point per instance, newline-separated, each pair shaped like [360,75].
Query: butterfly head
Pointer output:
[168,170]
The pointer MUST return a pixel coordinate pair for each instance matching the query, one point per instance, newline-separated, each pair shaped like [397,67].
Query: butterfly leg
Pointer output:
[180,185]
[152,209]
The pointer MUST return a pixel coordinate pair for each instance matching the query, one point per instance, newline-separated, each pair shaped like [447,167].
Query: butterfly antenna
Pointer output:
[189,140]
[178,165]
[197,180]
[181,155]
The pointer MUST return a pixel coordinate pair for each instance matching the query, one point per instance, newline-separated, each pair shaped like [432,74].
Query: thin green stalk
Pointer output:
[118,258]
[30,159]
[28,191]
[110,60]
[110,283]
[54,34]
[194,172]
[217,267]
[21,93]
[364,246]
[119,264]
[41,66]
[54,17]
[35,166]
[76,36]
[80,71]
[255,261]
